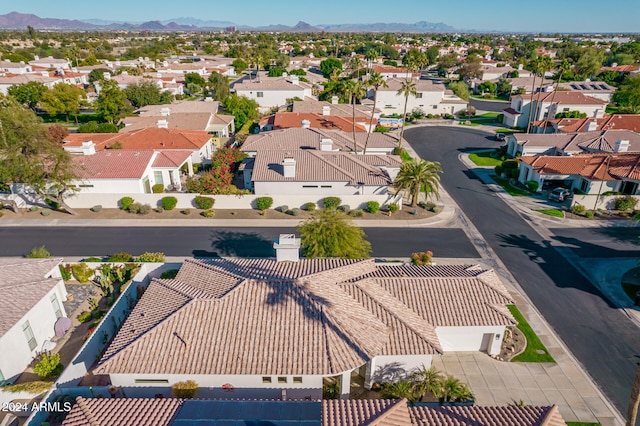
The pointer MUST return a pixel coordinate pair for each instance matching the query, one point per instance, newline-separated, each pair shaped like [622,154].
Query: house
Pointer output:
[595,89]
[591,174]
[128,172]
[548,104]
[30,307]
[573,143]
[526,84]
[336,412]
[15,67]
[319,173]
[263,326]
[431,98]
[70,77]
[629,122]
[272,92]
[394,72]
[152,138]
[319,139]
[288,120]
[51,63]
[7,80]
[492,72]
[334,108]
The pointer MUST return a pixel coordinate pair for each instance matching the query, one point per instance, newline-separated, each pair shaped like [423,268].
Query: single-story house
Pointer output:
[30,306]
[387,71]
[607,122]
[572,143]
[288,120]
[7,80]
[271,92]
[596,89]
[15,67]
[431,98]
[363,111]
[261,326]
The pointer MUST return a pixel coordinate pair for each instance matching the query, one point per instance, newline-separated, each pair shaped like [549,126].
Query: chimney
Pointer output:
[520,67]
[592,126]
[106,75]
[334,100]
[162,124]
[306,124]
[88,148]
[36,57]
[326,144]
[326,110]
[165,112]
[45,74]
[621,146]
[289,167]
[125,72]
[287,248]
[295,80]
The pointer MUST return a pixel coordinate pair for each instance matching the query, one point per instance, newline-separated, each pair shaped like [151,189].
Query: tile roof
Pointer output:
[379,412]
[271,83]
[590,166]
[171,159]
[344,110]
[588,86]
[316,316]
[23,283]
[629,122]
[286,120]
[151,138]
[603,140]
[295,139]
[179,120]
[112,164]
[486,416]
[564,98]
[394,84]
[123,412]
[179,107]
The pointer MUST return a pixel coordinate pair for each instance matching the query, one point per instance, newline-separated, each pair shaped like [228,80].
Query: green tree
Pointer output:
[239,65]
[28,94]
[328,66]
[407,88]
[427,380]
[145,93]
[432,54]
[376,81]
[30,157]
[460,89]
[398,390]
[112,102]
[488,86]
[194,78]
[241,107]
[331,233]
[628,94]
[417,177]
[589,63]
[503,87]
[446,63]
[62,99]
[219,86]
[414,59]
[98,74]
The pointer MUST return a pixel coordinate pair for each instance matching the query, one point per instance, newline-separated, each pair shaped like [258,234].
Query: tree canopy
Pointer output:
[627,95]
[146,93]
[62,99]
[416,177]
[329,65]
[112,102]
[28,94]
[331,233]
[242,108]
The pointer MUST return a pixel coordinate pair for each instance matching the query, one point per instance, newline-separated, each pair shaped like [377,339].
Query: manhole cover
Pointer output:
[540,351]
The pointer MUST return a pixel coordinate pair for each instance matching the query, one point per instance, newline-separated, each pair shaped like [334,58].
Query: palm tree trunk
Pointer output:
[353,123]
[373,110]
[404,114]
[538,106]
[546,119]
[533,87]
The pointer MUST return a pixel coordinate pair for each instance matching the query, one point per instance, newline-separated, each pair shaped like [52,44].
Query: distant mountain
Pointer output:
[300,27]
[418,27]
[199,22]
[15,20]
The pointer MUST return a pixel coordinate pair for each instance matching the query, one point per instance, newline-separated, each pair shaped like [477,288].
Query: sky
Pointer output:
[591,16]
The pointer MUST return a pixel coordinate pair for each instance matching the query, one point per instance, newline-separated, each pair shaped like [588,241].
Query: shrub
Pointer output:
[309,206]
[209,213]
[500,118]
[159,209]
[344,208]
[283,208]
[510,164]
[264,203]
[498,170]
[532,185]
[186,212]
[373,207]
[91,259]
[170,274]
[84,316]
[356,213]
[82,272]
[96,208]
[38,253]
[45,212]
[588,214]
[185,390]
[139,208]
[204,203]
[125,203]
[294,211]
[514,173]
[151,257]
[393,207]
[158,188]
[122,256]
[33,208]
[422,258]
[48,366]
[65,272]
[169,203]
[625,203]
[331,202]
[578,209]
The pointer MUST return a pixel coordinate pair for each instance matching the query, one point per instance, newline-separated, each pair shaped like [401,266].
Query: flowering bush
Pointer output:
[219,179]
[422,258]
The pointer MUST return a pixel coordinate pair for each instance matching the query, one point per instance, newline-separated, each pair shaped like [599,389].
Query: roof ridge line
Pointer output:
[395,406]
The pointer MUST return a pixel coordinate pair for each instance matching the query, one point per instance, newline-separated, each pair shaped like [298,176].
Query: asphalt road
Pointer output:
[600,336]
[208,242]
[491,106]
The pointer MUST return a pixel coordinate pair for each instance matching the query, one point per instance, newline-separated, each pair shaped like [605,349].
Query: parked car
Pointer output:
[559,194]
[500,136]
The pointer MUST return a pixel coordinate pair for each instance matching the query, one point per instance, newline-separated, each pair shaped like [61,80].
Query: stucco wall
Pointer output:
[453,339]
[593,202]
[322,189]
[391,368]
[272,98]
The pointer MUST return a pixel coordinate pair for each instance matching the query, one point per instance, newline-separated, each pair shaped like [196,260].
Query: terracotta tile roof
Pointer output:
[25,78]
[179,107]
[144,139]
[394,84]
[171,159]
[379,412]
[286,120]
[486,416]
[590,166]
[320,166]
[564,98]
[271,83]
[195,121]
[629,122]
[511,111]
[112,164]
[123,412]
[23,283]
[295,139]
[603,141]
[622,68]
[344,110]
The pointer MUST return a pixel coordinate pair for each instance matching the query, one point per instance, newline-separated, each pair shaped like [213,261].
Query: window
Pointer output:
[152,381]
[260,94]
[297,379]
[266,379]
[56,305]
[565,109]
[86,186]
[157,177]
[28,334]
[282,379]
[584,186]
[419,95]
[309,186]
[435,107]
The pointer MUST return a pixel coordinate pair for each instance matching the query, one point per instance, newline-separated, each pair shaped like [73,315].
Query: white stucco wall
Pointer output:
[273,98]
[389,102]
[458,339]
[391,368]
[14,348]
[107,186]
[326,189]
[593,202]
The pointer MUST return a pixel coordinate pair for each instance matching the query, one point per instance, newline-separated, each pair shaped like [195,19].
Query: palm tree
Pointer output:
[376,81]
[427,380]
[355,90]
[371,56]
[398,390]
[544,64]
[407,88]
[534,65]
[418,177]
[450,388]
[562,68]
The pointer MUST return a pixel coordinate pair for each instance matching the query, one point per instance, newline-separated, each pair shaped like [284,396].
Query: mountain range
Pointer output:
[15,20]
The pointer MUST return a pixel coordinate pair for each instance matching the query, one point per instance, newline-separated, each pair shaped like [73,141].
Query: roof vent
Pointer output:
[287,248]
[306,124]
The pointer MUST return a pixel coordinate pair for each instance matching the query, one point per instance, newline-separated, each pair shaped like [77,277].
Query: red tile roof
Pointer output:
[144,139]
[486,416]
[566,98]
[112,164]
[286,120]
[379,412]
[592,166]
[608,122]
[123,412]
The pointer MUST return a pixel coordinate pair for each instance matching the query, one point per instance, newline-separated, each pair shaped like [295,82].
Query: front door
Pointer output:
[146,185]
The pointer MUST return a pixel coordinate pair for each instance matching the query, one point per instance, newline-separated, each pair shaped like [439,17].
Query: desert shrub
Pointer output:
[91,259]
[82,272]
[588,214]
[373,207]
[38,253]
[122,256]
[532,185]
[283,208]
[185,390]
[331,202]
[204,203]
[186,212]
[209,213]
[294,211]
[158,188]
[309,206]
[151,257]
[393,207]
[96,208]
[65,272]
[422,258]
[578,208]
[264,203]
[356,213]
[85,316]
[169,203]
[344,208]
[158,209]
[500,118]
[45,212]
[625,203]
[139,208]
[48,366]
[431,206]
[170,274]
[125,203]
[33,209]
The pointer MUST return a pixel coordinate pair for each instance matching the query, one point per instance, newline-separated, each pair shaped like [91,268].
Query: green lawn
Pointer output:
[507,131]
[484,159]
[512,190]
[552,212]
[630,289]
[534,344]
[405,156]
[582,424]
